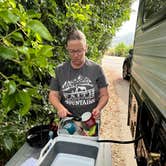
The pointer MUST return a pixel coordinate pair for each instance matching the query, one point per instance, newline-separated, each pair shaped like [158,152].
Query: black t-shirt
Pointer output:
[79,88]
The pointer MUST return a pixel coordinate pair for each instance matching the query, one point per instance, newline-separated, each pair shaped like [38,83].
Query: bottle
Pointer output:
[51,134]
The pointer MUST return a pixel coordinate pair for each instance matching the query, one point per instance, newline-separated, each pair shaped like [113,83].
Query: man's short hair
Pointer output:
[76,35]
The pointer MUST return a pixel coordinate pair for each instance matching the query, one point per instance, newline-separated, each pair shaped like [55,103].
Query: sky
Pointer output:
[129,26]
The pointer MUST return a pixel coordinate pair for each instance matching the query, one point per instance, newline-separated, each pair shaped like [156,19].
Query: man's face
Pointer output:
[77,50]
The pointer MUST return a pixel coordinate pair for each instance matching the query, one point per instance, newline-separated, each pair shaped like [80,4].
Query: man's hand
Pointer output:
[104,96]
[63,112]
[96,113]
[54,99]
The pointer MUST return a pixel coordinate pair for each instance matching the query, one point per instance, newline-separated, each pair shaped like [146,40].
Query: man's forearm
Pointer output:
[104,96]
[55,100]
[102,102]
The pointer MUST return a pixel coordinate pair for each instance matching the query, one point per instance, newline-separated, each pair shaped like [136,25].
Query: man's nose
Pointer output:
[75,53]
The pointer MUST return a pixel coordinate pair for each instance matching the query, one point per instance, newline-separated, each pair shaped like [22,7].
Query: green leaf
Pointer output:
[81,17]
[27,70]
[8,142]
[3,26]
[46,51]
[21,81]
[11,85]
[23,49]
[7,53]
[17,36]
[8,16]
[24,99]
[12,2]
[41,62]
[34,93]
[33,14]
[8,102]
[37,27]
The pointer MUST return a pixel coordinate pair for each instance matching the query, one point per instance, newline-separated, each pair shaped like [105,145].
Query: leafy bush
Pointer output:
[122,49]
[32,43]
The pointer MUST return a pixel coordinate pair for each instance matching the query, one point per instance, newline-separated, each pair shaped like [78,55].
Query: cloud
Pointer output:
[129,26]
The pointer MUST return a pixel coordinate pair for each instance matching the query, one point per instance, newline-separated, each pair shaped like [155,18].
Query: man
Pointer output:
[80,84]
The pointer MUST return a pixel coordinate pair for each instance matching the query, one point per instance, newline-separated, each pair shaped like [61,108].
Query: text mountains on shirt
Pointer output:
[80,80]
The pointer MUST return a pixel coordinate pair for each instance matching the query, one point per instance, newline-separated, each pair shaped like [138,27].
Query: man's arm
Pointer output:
[104,96]
[54,99]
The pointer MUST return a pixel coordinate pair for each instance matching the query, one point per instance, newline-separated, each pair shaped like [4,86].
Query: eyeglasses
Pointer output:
[79,51]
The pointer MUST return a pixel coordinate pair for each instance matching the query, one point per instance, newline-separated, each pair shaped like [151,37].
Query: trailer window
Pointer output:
[153,9]
[140,14]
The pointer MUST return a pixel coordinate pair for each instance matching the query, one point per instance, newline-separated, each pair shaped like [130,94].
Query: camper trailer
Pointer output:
[147,92]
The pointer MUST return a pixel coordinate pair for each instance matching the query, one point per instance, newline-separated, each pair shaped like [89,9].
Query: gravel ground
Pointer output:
[114,117]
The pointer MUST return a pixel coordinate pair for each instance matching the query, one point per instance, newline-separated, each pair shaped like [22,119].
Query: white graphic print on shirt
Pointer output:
[79,91]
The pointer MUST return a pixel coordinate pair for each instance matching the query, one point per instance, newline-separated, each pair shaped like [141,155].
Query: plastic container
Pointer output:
[67,151]
[71,160]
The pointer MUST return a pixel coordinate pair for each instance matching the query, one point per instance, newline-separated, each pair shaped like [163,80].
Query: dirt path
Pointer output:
[114,118]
